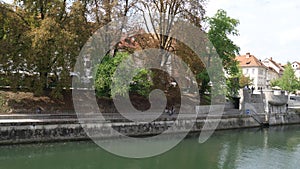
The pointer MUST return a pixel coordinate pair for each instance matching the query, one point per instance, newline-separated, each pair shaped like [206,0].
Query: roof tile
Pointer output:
[249,60]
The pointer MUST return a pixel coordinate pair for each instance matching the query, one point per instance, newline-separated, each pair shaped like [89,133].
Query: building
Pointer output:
[275,70]
[296,67]
[260,74]
[270,63]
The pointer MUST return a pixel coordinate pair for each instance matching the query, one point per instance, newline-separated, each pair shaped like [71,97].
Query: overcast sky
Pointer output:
[268,28]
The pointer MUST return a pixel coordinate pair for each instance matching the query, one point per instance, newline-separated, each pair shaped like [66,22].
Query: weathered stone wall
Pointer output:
[39,132]
[56,132]
[290,117]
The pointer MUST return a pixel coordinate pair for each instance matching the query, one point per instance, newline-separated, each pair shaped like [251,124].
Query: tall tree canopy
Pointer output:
[40,40]
[163,15]
[221,27]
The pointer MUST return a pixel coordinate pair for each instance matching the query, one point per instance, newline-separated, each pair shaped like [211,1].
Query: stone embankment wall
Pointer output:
[291,117]
[270,105]
[31,133]
[39,132]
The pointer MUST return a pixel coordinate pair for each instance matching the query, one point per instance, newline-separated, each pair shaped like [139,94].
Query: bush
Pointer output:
[140,83]
[4,81]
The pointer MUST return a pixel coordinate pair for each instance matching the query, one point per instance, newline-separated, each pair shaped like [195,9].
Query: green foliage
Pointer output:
[13,44]
[288,81]
[274,82]
[141,83]
[4,81]
[205,79]
[40,40]
[53,45]
[104,73]
[234,83]
[213,81]
[221,27]
[244,81]
[104,78]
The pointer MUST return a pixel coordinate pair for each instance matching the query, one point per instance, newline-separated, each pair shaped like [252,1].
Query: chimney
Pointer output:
[248,55]
[271,58]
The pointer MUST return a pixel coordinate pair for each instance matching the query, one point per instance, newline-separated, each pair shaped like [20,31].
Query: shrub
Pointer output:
[140,83]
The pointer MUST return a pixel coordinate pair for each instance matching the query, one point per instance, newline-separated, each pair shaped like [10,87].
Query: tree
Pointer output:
[140,84]
[14,45]
[51,53]
[221,27]
[244,81]
[288,81]
[44,38]
[163,15]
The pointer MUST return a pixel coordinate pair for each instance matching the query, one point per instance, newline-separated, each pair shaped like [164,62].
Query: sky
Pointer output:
[268,28]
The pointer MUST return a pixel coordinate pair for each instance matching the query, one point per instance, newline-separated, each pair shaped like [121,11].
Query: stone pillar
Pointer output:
[245,98]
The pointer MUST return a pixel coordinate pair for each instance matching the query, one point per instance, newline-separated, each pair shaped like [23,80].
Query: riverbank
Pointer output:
[43,127]
[66,127]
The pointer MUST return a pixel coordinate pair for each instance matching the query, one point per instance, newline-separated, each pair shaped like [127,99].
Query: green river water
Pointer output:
[276,147]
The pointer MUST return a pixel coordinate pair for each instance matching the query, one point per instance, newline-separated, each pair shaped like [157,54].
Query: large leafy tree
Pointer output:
[221,27]
[51,43]
[43,38]
[14,44]
[52,53]
[163,15]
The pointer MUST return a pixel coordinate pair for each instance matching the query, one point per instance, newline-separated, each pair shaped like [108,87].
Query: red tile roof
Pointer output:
[249,60]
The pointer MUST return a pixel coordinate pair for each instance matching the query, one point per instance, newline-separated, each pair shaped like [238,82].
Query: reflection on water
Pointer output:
[268,148]
[277,147]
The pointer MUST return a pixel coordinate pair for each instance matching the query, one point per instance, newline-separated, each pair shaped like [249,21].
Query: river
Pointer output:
[275,147]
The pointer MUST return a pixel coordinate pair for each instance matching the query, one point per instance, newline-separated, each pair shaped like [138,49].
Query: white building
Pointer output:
[274,71]
[271,75]
[254,69]
[296,67]
[270,63]
[260,72]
